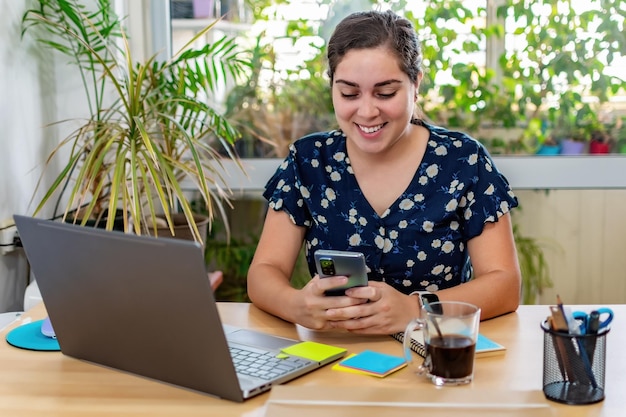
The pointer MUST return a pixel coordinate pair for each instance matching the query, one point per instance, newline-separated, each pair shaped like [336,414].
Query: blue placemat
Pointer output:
[29,336]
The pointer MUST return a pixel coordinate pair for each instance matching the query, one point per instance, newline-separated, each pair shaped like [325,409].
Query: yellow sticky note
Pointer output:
[314,351]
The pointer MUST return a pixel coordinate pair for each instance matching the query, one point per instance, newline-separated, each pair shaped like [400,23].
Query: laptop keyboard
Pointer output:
[262,364]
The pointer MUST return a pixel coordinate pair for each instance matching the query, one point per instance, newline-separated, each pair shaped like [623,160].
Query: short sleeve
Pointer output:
[489,195]
[284,189]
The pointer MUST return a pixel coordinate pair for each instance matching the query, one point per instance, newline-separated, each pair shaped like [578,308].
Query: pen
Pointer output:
[592,329]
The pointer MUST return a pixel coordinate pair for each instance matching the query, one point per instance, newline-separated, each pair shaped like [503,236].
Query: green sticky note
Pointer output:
[315,351]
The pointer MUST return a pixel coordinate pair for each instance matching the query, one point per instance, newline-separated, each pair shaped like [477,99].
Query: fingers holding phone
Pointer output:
[331,263]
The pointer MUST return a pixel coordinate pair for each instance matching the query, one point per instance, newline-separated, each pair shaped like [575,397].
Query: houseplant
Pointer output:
[150,129]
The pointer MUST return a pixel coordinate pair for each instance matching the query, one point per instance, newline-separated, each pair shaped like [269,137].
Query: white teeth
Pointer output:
[370,129]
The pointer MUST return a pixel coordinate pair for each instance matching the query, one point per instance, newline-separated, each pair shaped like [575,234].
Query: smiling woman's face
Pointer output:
[374,99]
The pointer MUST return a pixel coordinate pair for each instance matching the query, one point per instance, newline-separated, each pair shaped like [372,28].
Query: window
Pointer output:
[470,47]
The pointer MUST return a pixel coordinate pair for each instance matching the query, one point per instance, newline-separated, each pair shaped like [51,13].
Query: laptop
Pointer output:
[144,305]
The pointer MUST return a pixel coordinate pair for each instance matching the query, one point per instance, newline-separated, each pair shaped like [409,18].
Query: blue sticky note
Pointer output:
[374,362]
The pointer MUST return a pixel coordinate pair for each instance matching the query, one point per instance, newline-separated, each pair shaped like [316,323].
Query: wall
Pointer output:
[29,81]
[584,236]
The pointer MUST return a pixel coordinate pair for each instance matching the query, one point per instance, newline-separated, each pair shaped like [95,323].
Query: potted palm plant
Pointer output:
[150,129]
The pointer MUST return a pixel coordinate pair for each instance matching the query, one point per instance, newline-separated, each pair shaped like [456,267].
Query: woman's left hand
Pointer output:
[388,310]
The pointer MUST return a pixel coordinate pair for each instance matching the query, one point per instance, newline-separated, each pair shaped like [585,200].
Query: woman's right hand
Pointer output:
[312,304]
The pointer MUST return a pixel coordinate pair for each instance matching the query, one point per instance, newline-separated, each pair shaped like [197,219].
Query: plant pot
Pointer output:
[597,147]
[572,147]
[181,227]
[549,150]
[118,223]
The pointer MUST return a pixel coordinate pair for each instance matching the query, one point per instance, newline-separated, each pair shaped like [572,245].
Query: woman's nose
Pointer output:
[368,108]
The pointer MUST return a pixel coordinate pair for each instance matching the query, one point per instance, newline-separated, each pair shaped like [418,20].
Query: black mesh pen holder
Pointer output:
[574,366]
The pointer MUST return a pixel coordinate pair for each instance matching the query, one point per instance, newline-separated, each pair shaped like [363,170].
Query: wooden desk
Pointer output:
[51,384]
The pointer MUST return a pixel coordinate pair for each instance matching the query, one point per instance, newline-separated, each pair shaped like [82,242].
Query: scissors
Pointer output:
[595,321]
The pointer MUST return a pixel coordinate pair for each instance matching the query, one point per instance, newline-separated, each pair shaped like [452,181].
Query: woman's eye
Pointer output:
[387,95]
[346,95]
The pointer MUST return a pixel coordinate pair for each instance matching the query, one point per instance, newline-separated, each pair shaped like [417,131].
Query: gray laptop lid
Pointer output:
[134,303]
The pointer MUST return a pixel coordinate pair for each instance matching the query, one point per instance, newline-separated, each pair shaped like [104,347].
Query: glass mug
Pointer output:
[450,331]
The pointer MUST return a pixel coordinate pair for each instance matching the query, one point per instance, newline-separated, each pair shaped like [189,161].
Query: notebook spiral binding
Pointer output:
[416,346]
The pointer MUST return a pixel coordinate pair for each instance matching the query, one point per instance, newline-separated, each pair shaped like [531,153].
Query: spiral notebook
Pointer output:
[484,345]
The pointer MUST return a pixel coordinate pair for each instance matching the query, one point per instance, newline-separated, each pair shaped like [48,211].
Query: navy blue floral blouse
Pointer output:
[419,243]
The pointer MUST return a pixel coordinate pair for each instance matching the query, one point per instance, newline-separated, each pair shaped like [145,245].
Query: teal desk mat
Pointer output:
[29,336]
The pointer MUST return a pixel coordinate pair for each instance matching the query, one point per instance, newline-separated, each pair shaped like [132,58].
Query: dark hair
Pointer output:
[371,29]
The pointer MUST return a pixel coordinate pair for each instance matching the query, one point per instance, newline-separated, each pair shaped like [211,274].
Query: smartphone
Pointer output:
[333,262]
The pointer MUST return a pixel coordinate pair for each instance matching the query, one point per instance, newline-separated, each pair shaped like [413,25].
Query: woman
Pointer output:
[418,200]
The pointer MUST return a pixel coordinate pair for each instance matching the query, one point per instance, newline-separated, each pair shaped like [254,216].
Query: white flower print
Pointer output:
[381,230]
[339,156]
[315,163]
[421,256]
[335,176]
[448,277]
[280,184]
[410,263]
[432,288]
[406,204]
[406,282]
[488,166]
[504,206]
[490,190]
[304,191]
[428,226]
[387,246]
[438,269]
[352,212]
[330,194]
[403,224]
[314,242]
[393,234]
[355,240]
[379,241]
[454,225]
[468,214]
[321,219]
[436,243]
[318,144]
[362,221]
[432,171]
[418,198]
[452,205]
[457,143]
[352,219]
[284,165]
[324,203]
[432,143]
[424,283]
[473,158]
[330,141]
[328,169]
[453,186]
[300,202]
[423,180]
[447,247]
[278,204]
[447,269]
[441,151]
[490,219]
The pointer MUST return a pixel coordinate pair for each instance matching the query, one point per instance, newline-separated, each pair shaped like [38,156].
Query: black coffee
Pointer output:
[451,356]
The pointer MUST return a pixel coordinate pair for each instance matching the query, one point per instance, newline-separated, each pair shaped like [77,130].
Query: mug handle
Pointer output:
[415,324]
